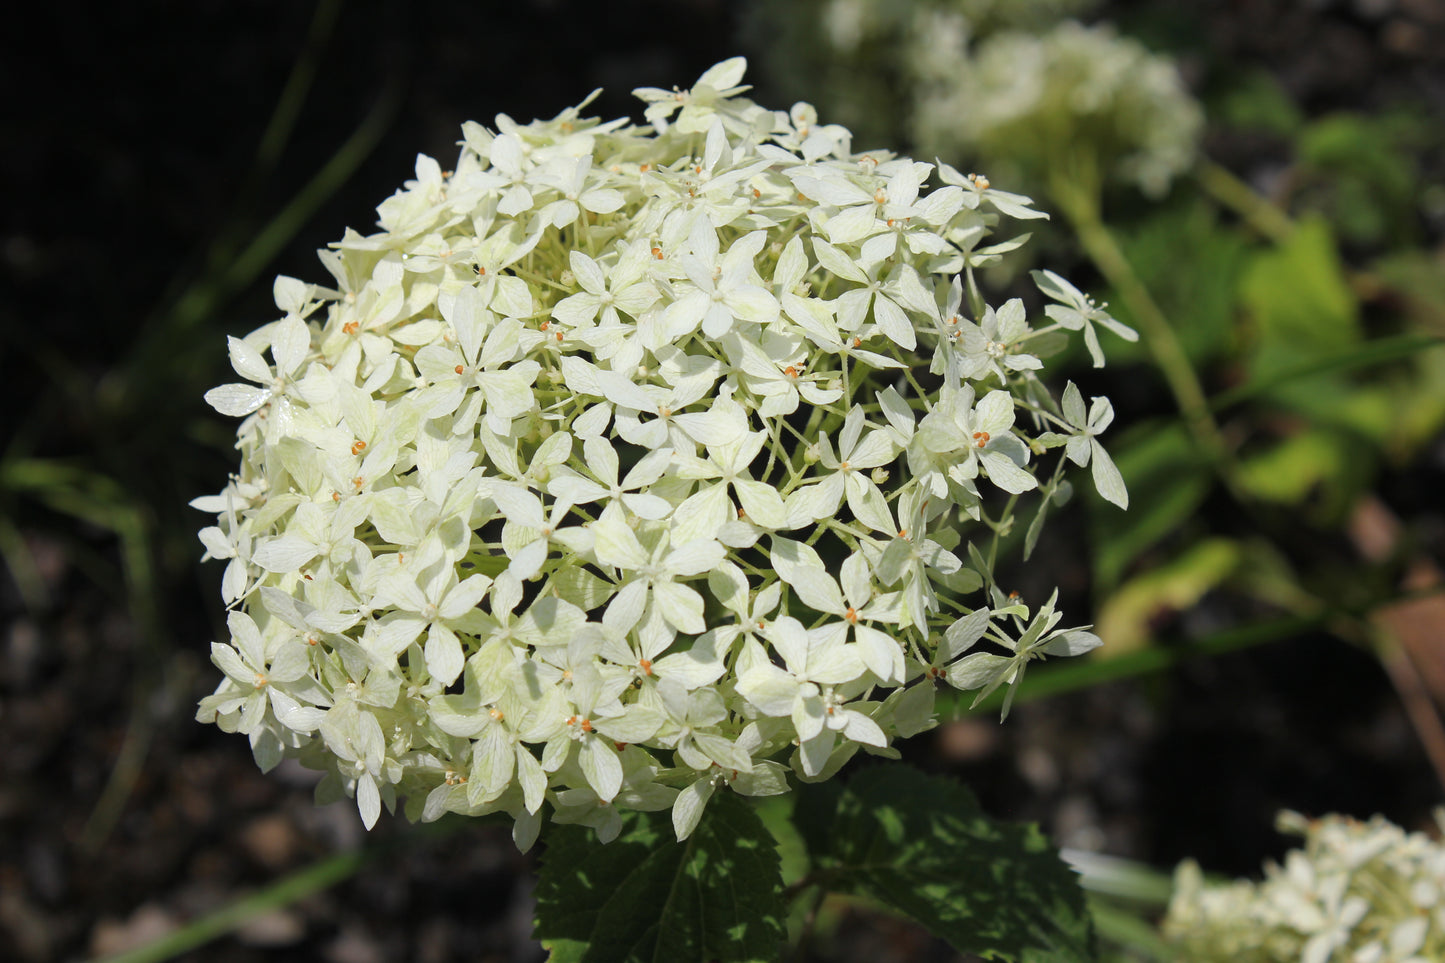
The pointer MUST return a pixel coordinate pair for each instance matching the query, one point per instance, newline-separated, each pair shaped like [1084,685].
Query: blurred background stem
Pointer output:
[1077,189]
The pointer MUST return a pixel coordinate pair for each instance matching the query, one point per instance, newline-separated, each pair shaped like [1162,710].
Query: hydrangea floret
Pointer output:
[1363,892]
[629,464]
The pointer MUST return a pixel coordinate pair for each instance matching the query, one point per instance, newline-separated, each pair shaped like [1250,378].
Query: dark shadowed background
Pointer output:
[163,161]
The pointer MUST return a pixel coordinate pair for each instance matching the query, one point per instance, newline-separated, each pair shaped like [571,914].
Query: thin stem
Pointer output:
[1082,208]
[810,921]
[1256,211]
[284,892]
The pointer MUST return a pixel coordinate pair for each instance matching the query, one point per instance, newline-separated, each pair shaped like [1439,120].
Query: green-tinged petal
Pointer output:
[687,809]
[601,767]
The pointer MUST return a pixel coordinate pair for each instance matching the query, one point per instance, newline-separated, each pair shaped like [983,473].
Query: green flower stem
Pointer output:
[1258,212]
[1081,207]
[1124,928]
[284,892]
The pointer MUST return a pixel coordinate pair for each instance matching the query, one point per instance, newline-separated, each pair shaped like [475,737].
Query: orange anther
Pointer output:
[586,725]
[336,496]
[851,616]
[350,327]
[903,533]
[644,168]
[571,720]
[657,253]
[459,369]
[358,446]
[619,746]
[544,325]
[357,482]
[791,371]
[857,342]
[645,665]
[496,714]
[980,438]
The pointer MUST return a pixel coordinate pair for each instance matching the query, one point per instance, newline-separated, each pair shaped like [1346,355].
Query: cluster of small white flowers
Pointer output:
[626,464]
[1023,96]
[1357,892]
[849,25]
[1012,85]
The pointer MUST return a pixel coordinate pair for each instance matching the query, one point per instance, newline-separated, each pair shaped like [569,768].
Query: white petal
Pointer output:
[368,800]
[687,809]
[601,767]
[284,553]
[237,400]
[444,656]
[681,606]
[1106,476]
[248,362]
[799,566]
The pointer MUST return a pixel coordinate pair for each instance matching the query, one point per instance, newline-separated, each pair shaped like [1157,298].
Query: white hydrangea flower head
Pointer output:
[1025,98]
[1366,892]
[629,464]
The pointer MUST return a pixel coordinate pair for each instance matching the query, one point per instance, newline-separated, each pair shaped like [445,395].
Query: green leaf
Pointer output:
[646,897]
[1167,482]
[1256,101]
[1290,471]
[1301,305]
[1124,622]
[922,846]
[1362,172]
[1191,264]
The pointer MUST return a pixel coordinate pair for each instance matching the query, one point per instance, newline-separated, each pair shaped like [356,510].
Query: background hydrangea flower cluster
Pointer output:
[1017,86]
[1367,892]
[625,464]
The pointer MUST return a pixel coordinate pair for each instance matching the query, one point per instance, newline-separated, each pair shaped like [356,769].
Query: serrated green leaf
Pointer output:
[646,897]
[921,845]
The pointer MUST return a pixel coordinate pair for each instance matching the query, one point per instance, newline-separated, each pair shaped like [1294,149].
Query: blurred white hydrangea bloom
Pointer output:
[1362,892]
[626,464]
[1035,98]
[1010,84]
